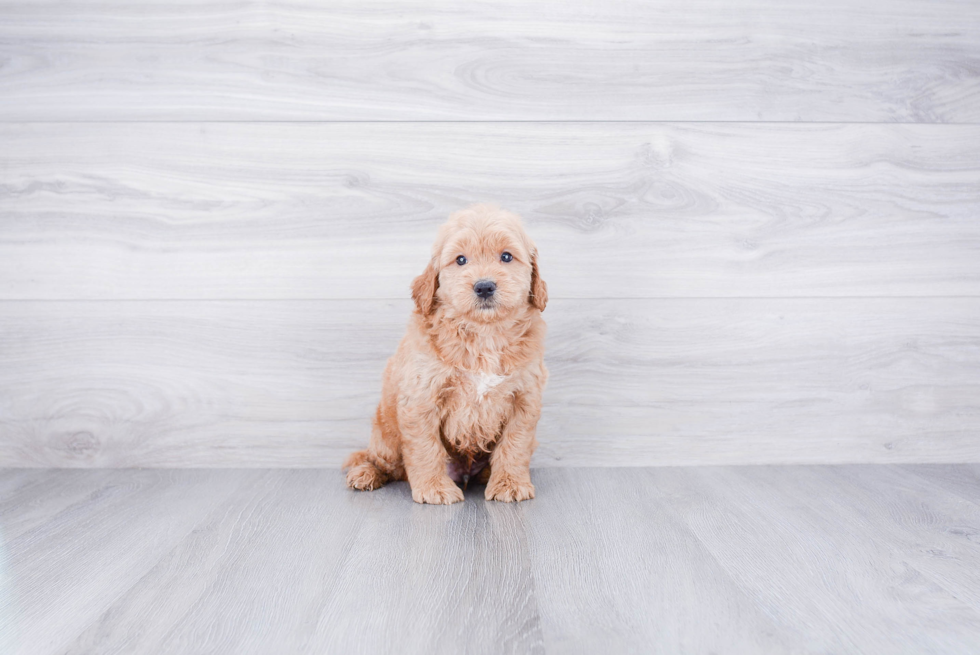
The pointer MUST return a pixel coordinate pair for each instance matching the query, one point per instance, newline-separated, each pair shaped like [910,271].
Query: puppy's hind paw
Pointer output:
[365,477]
[508,490]
[440,494]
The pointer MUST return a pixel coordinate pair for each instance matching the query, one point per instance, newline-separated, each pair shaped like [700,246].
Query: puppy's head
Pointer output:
[483,267]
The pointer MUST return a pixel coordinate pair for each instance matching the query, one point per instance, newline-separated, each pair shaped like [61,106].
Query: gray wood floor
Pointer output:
[802,559]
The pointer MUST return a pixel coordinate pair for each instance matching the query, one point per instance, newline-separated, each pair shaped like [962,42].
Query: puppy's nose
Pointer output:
[484,288]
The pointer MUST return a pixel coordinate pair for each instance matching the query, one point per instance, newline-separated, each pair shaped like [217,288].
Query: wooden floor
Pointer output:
[828,559]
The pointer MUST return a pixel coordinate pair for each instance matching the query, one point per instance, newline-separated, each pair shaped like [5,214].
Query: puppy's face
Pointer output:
[484,266]
[485,271]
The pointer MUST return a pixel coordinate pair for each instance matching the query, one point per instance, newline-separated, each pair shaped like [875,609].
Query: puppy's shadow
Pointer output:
[421,523]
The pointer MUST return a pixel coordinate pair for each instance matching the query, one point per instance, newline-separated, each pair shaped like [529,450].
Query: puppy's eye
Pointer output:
[506,257]
[461,260]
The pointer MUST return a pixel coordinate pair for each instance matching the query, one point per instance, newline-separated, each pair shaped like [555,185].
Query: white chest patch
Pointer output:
[485,382]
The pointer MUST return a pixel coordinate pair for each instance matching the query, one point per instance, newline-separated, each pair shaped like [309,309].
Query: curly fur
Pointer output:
[461,397]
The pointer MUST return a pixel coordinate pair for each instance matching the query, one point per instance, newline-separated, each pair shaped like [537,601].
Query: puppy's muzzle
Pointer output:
[484,289]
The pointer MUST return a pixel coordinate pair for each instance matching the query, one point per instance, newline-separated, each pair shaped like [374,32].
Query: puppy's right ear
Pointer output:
[539,290]
[424,289]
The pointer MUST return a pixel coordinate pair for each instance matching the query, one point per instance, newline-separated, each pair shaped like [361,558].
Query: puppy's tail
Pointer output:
[363,473]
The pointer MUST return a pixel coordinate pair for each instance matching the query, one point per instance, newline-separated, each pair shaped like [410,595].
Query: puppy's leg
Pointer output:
[425,460]
[372,468]
[510,462]
[362,473]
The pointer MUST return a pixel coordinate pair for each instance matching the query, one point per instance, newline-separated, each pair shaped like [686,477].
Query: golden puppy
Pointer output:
[462,395]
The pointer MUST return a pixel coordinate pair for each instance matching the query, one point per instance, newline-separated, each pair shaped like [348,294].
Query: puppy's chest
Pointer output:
[482,384]
[476,405]
[478,388]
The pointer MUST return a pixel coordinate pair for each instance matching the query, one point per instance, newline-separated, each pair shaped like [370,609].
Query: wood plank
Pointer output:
[615,572]
[844,60]
[633,382]
[847,585]
[693,560]
[109,211]
[251,578]
[456,579]
[920,513]
[383,577]
[71,568]
[30,497]
[964,481]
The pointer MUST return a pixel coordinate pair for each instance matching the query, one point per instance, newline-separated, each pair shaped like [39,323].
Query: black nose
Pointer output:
[484,288]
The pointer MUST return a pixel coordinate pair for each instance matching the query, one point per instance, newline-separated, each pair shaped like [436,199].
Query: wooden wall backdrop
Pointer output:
[760,222]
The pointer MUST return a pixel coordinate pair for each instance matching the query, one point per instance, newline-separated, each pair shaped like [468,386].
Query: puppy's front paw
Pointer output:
[438,494]
[509,489]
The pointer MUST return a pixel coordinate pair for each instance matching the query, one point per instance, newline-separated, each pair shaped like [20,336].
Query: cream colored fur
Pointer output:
[465,383]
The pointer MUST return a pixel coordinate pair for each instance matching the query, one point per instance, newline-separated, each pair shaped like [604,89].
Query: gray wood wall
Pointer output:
[759,221]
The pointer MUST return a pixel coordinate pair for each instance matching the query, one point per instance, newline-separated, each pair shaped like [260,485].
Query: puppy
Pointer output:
[461,397]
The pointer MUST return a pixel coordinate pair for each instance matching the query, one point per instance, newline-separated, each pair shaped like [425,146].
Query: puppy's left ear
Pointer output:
[539,289]
[424,289]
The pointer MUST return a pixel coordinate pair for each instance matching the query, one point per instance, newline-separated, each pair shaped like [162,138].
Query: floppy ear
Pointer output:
[424,289]
[539,289]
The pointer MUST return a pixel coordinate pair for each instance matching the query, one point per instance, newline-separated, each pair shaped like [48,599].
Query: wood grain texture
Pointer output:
[30,498]
[677,560]
[616,573]
[129,211]
[946,549]
[633,382]
[964,481]
[239,561]
[71,568]
[813,568]
[416,581]
[750,258]
[841,60]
